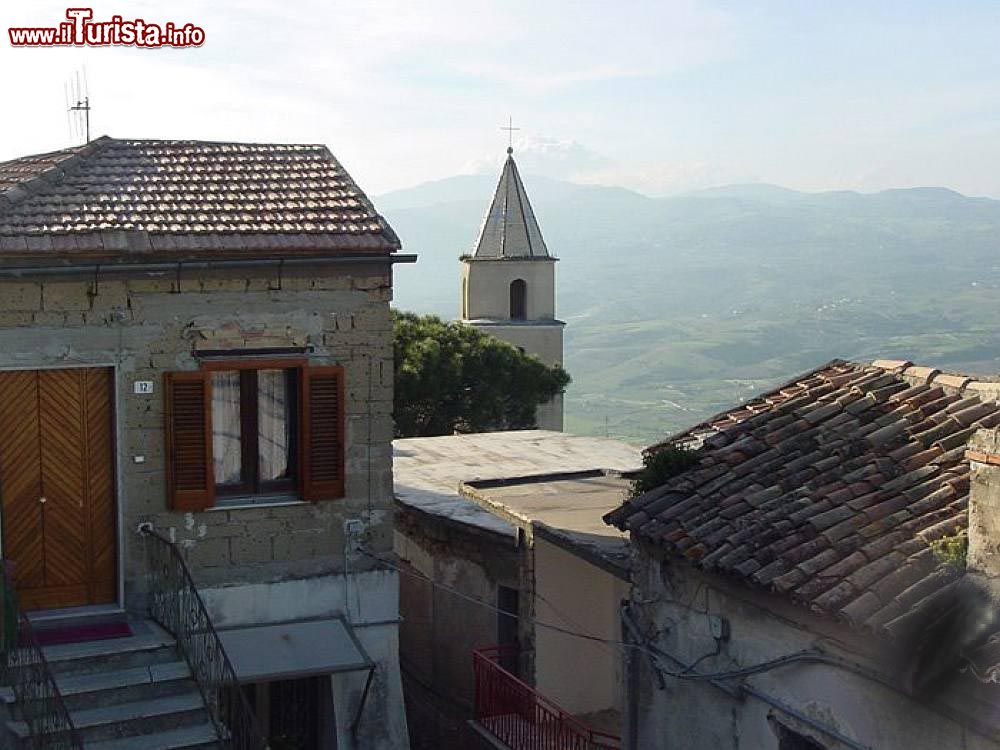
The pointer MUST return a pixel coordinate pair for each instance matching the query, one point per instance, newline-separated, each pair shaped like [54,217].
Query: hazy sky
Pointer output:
[658,96]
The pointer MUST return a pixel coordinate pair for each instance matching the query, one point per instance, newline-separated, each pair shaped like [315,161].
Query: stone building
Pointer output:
[510,567]
[509,282]
[195,341]
[803,585]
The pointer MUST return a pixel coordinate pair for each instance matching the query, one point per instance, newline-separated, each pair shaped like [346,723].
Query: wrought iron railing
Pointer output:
[522,718]
[27,674]
[174,603]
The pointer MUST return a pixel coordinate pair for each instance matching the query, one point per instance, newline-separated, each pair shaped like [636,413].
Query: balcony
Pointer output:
[516,716]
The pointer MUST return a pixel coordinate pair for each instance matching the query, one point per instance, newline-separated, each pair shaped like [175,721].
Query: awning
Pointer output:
[262,653]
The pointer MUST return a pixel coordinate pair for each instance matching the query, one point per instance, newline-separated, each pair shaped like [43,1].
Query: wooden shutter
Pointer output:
[190,474]
[322,433]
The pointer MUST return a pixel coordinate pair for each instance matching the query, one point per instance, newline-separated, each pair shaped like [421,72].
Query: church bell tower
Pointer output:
[509,285]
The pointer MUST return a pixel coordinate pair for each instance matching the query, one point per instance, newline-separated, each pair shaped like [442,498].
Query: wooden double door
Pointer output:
[57,485]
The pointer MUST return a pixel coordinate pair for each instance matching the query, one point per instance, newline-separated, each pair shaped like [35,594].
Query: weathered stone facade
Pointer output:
[151,294]
[678,610]
[147,325]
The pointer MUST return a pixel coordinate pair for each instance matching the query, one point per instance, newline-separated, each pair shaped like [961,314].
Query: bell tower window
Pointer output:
[518,299]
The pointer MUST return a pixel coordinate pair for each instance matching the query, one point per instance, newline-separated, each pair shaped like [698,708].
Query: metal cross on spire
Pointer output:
[510,134]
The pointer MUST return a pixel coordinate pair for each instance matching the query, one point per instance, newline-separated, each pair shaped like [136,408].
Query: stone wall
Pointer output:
[147,324]
[984,505]
[673,607]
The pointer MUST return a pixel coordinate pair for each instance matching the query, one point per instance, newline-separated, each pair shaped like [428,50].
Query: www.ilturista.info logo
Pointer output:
[80,30]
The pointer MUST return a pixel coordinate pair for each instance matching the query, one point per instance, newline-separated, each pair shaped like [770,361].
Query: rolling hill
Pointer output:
[677,307]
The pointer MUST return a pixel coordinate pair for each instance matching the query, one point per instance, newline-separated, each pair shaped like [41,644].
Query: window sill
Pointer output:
[243,502]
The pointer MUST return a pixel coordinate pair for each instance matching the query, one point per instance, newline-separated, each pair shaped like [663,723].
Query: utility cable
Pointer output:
[687,673]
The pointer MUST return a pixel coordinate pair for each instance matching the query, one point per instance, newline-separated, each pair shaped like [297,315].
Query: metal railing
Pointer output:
[522,718]
[174,603]
[27,673]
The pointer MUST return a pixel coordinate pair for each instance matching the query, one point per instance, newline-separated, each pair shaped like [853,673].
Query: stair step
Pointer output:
[88,718]
[200,735]
[112,654]
[107,647]
[76,684]
[92,717]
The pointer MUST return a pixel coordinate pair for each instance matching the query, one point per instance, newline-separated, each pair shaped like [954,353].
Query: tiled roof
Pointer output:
[185,197]
[31,167]
[829,489]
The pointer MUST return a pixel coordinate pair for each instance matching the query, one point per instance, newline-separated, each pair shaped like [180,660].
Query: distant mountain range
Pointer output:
[679,306]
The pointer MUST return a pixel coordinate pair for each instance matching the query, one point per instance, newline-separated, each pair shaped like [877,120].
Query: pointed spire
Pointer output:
[510,229]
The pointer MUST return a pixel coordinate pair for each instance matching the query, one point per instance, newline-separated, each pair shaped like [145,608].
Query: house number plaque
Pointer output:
[144,387]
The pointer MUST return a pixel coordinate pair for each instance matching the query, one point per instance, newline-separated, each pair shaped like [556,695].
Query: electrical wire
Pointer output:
[688,673]
[482,602]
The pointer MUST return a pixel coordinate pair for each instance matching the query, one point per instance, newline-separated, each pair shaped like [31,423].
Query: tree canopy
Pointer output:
[451,377]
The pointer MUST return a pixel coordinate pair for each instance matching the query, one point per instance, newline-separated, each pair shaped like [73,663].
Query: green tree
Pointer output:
[659,466]
[451,377]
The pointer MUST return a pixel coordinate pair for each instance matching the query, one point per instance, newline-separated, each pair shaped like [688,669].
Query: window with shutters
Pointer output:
[254,430]
[245,429]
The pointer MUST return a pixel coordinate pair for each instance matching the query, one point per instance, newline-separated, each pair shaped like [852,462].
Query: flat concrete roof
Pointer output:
[569,502]
[560,485]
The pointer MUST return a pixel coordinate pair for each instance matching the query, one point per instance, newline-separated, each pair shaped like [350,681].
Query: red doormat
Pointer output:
[59,635]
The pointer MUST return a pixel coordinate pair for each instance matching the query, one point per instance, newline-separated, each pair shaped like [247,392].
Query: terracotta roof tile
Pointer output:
[829,489]
[892,364]
[130,196]
[951,381]
[921,373]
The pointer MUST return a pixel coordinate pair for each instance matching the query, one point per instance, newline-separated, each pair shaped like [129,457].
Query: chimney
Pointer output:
[984,504]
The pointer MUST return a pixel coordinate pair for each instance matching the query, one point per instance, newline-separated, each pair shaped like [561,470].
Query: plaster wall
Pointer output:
[486,296]
[369,602]
[486,284]
[145,325]
[581,676]
[673,604]
[441,630]
[546,343]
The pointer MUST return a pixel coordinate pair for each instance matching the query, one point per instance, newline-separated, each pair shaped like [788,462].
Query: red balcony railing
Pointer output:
[523,719]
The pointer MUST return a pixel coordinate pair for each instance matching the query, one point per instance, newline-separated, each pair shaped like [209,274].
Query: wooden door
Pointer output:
[57,485]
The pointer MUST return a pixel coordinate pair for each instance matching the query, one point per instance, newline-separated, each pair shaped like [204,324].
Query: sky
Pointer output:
[661,97]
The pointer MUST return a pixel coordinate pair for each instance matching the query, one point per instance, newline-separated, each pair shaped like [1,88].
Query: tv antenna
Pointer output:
[77,102]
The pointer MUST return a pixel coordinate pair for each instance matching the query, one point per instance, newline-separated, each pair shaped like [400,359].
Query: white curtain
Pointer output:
[273,423]
[226,439]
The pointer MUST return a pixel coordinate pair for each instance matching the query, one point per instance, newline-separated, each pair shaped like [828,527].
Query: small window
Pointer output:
[241,428]
[518,299]
[465,300]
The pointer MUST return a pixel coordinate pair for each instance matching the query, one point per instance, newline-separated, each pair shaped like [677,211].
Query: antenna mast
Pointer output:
[84,106]
[82,102]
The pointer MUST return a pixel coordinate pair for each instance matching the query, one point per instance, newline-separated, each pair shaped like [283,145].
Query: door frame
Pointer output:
[116,435]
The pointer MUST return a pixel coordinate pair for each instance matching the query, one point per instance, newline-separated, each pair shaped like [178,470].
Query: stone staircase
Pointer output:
[134,693]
